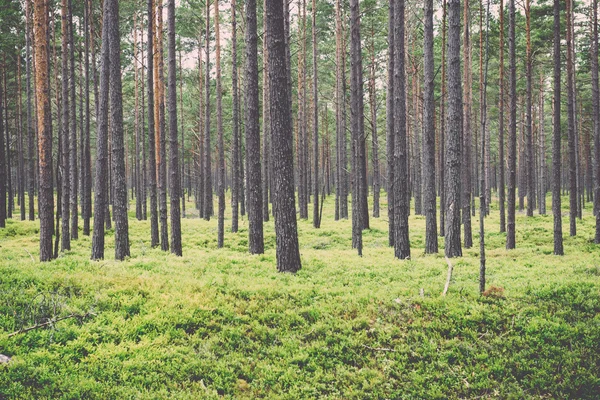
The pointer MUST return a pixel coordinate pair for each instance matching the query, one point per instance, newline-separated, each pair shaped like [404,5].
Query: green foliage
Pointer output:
[222,323]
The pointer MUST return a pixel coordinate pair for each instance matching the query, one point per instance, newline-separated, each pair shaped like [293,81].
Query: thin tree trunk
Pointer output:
[467,185]
[175,179]
[501,174]
[73,165]
[162,156]
[374,135]
[512,131]
[429,201]
[316,219]
[571,126]
[208,200]
[556,138]
[266,124]
[596,116]
[528,131]
[65,170]
[390,129]
[253,171]
[235,150]
[442,138]
[221,145]
[151,128]
[30,129]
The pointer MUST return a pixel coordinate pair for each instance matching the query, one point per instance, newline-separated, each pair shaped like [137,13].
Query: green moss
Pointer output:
[223,323]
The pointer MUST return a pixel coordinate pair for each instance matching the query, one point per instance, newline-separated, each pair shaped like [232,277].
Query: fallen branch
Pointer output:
[449,277]
[27,251]
[378,348]
[50,322]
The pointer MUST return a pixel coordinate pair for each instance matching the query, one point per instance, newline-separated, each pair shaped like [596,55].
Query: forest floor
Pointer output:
[222,323]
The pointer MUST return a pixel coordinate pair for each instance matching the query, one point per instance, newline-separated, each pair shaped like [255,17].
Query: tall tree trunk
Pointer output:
[119,180]
[596,116]
[401,184]
[136,124]
[467,185]
[429,201]
[253,173]
[221,145]
[356,129]
[3,174]
[175,178]
[154,238]
[512,130]
[284,207]
[501,174]
[453,157]
[235,149]
[20,156]
[162,156]
[266,124]
[390,132]
[556,138]
[316,219]
[100,192]
[571,126]
[529,169]
[374,135]
[73,165]
[30,128]
[65,170]
[208,200]
[483,105]
[442,137]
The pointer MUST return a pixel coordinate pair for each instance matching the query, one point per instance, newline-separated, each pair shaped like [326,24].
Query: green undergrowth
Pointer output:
[222,323]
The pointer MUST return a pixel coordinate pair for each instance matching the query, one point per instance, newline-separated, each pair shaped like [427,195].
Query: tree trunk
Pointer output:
[316,219]
[3,191]
[286,230]
[596,116]
[571,126]
[100,192]
[401,188]
[73,165]
[501,174]
[65,169]
[235,149]
[119,180]
[266,124]
[151,129]
[221,145]
[253,172]
[529,169]
[208,200]
[442,137]
[512,131]
[175,179]
[429,200]
[390,132]
[556,138]
[454,135]
[467,185]
[30,129]
[162,156]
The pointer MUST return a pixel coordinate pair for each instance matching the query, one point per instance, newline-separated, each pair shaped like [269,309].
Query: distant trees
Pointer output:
[439,140]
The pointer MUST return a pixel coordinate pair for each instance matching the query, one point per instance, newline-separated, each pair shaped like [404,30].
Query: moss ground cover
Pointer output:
[222,323]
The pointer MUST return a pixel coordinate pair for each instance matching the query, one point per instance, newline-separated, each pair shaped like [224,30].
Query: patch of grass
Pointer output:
[223,323]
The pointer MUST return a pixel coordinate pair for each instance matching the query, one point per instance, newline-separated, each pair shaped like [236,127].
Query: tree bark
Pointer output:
[501,174]
[454,135]
[253,172]
[100,189]
[316,219]
[556,138]
[175,179]
[401,187]
[512,131]
[73,165]
[208,200]
[467,185]
[571,126]
[286,230]
[221,145]
[65,169]
[390,132]
[429,201]
[235,149]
